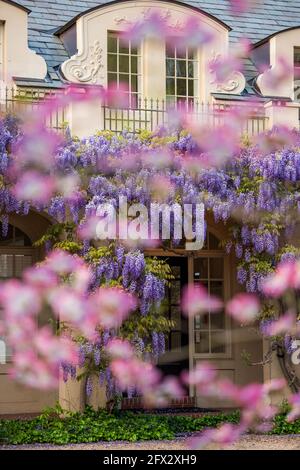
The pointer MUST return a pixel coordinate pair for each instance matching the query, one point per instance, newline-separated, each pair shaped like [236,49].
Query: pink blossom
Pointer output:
[19,300]
[217,144]
[19,330]
[37,365]
[63,263]
[223,436]
[37,148]
[274,385]
[112,305]
[223,389]
[40,277]
[192,165]
[242,6]
[34,187]
[193,35]
[116,95]
[119,349]
[67,185]
[55,349]
[87,230]
[286,276]
[295,412]
[277,139]
[81,278]
[279,75]
[154,26]
[34,372]
[285,324]
[222,67]
[203,374]
[68,305]
[196,300]
[161,188]
[244,307]
[162,394]
[135,373]
[157,160]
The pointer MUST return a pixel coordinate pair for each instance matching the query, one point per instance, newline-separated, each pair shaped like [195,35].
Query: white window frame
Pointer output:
[187,98]
[139,77]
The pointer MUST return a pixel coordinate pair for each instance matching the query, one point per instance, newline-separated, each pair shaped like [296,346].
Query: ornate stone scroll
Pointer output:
[234,85]
[85,69]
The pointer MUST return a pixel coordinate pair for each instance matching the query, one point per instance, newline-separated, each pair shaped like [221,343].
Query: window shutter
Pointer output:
[6,266]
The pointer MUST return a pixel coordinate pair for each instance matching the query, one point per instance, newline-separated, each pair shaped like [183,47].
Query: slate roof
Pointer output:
[46,16]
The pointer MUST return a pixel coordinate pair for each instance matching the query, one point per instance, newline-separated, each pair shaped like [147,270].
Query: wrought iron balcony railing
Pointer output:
[147,114]
[150,114]
[26,100]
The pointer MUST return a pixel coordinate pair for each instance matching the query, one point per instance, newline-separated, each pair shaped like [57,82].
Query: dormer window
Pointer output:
[123,66]
[181,76]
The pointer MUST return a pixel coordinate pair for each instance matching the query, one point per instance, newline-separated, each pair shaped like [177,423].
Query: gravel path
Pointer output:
[251,442]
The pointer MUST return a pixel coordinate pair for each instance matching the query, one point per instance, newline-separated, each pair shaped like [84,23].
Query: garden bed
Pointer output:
[91,427]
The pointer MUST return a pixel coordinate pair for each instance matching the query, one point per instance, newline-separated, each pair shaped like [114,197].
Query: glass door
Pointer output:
[176,357]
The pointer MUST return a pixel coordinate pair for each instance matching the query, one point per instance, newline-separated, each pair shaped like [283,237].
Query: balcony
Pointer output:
[148,114]
[22,101]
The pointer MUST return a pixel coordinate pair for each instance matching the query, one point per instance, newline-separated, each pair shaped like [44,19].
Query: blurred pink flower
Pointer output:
[135,373]
[19,300]
[197,300]
[161,188]
[40,277]
[34,372]
[116,95]
[286,276]
[67,185]
[55,349]
[203,374]
[62,262]
[276,139]
[68,305]
[285,324]
[154,26]
[279,75]
[34,187]
[119,349]
[274,385]
[242,6]
[217,144]
[37,149]
[223,436]
[157,159]
[222,67]
[194,34]
[162,394]
[295,411]
[81,278]
[112,305]
[244,307]
[87,230]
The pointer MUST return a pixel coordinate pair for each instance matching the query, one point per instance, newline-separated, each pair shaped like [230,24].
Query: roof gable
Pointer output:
[267,18]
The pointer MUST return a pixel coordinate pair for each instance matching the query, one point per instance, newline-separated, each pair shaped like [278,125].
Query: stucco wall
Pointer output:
[18,59]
